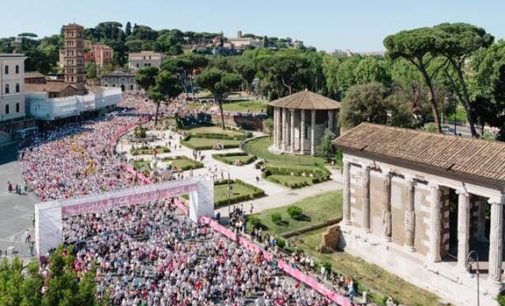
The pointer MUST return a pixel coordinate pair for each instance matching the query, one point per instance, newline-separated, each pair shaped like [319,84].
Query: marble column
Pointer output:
[284,129]
[463,229]
[366,199]
[279,128]
[331,116]
[495,241]
[435,224]
[313,132]
[386,206]
[347,194]
[302,131]
[410,214]
[292,129]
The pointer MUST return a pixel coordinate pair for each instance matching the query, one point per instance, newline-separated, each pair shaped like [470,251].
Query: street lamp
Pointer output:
[473,258]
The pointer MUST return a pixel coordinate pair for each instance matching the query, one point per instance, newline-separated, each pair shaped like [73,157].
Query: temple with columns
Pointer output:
[426,207]
[300,121]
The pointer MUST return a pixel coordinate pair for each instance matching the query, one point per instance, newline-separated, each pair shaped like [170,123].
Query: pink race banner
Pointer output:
[293,272]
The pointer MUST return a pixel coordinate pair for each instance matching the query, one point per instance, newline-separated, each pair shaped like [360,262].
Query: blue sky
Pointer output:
[359,25]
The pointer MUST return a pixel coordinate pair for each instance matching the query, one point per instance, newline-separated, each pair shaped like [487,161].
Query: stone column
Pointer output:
[347,193]
[463,229]
[292,129]
[284,129]
[276,117]
[302,131]
[410,214]
[435,224]
[366,199]
[386,206]
[279,128]
[495,241]
[480,233]
[331,116]
[313,132]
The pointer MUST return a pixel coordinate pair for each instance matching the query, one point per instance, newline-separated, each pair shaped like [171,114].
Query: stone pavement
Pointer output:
[16,211]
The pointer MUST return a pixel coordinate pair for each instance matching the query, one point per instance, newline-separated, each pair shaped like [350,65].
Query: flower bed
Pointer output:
[183,163]
[241,192]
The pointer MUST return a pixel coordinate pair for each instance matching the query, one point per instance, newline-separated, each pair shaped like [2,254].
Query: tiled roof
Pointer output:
[48,87]
[34,74]
[306,100]
[461,156]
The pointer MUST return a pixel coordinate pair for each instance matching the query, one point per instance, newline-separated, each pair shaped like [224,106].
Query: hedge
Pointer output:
[216,136]
[144,150]
[314,175]
[257,192]
[230,162]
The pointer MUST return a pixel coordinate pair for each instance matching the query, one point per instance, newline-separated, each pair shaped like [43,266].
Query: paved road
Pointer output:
[16,210]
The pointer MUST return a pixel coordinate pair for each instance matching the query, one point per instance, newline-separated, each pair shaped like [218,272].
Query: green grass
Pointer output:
[259,148]
[252,106]
[149,151]
[139,164]
[239,193]
[214,130]
[318,208]
[183,163]
[367,274]
[208,144]
[231,158]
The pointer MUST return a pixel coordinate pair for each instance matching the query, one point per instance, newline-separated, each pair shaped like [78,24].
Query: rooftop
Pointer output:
[48,87]
[481,160]
[306,100]
[12,55]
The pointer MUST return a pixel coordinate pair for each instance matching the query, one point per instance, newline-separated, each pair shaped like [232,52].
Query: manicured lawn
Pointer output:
[252,106]
[139,164]
[149,151]
[231,158]
[318,209]
[183,163]
[240,192]
[259,148]
[208,144]
[370,277]
[288,180]
[214,130]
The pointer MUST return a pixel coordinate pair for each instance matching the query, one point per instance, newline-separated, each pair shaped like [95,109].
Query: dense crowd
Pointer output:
[76,159]
[149,255]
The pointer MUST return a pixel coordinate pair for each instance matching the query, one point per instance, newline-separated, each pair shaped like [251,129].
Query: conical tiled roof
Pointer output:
[306,100]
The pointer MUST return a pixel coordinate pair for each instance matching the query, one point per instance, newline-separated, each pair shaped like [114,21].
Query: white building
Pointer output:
[41,107]
[12,85]
[145,59]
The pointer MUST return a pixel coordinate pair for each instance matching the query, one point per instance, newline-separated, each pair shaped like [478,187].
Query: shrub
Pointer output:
[295,212]
[281,243]
[276,218]
[256,222]
[327,266]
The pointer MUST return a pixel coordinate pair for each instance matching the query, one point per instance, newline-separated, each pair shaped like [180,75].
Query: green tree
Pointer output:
[419,47]
[91,71]
[326,149]
[128,29]
[364,103]
[371,69]
[146,77]
[457,43]
[166,87]
[220,84]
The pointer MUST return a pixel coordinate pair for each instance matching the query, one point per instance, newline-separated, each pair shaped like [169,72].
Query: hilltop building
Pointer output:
[12,83]
[145,59]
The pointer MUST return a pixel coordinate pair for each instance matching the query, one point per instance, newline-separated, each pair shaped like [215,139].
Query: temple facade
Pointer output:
[300,121]
[426,207]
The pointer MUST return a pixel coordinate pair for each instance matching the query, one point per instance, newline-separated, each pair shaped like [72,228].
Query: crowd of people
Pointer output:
[149,255]
[76,159]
